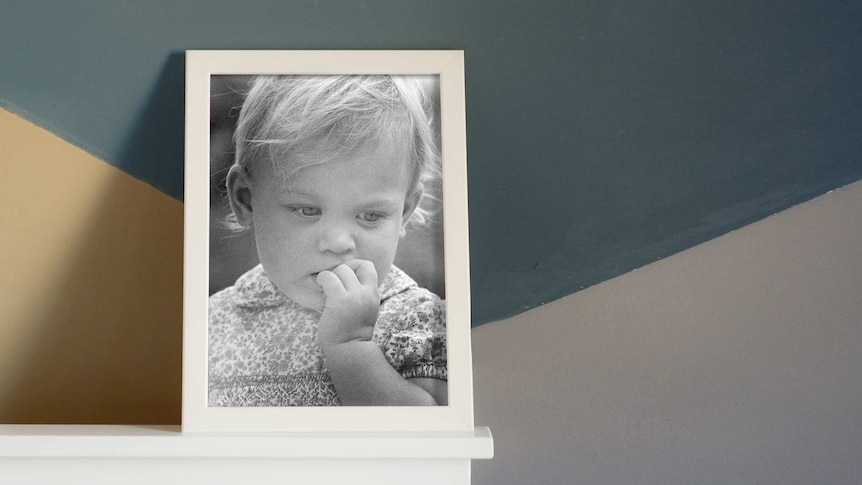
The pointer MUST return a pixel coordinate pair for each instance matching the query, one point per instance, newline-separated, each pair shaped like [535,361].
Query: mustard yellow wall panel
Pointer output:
[90,287]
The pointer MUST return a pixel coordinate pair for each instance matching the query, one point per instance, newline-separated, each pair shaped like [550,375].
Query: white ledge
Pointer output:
[110,441]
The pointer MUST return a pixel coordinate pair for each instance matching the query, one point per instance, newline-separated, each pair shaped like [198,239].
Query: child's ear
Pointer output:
[239,195]
[410,205]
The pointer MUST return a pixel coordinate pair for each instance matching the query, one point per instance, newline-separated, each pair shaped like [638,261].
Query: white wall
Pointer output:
[738,361]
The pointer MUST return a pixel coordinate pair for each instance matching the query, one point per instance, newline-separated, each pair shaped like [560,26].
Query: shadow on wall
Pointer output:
[108,345]
[109,348]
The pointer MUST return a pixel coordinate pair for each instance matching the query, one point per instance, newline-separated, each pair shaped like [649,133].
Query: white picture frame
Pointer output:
[197,416]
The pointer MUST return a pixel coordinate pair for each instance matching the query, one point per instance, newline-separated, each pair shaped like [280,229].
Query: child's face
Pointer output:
[350,208]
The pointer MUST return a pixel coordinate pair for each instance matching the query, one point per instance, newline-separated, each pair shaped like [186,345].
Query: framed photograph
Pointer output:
[326,242]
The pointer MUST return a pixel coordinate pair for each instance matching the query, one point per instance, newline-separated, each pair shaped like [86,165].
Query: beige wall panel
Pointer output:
[91,287]
[737,361]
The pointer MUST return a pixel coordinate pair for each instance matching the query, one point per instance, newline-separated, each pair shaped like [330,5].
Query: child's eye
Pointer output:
[371,217]
[306,211]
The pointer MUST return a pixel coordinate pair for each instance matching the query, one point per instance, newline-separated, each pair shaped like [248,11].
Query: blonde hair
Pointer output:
[284,115]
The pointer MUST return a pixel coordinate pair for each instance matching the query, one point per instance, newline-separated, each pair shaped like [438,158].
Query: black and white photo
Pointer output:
[328,174]
[336,270]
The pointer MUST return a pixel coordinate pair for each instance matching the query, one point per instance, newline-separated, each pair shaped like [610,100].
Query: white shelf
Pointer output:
[143,455]
[108,441]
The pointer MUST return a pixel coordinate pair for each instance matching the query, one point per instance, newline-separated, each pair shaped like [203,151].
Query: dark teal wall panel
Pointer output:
[602,135]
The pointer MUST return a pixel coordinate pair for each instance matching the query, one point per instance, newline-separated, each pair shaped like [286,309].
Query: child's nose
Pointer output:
[336,238]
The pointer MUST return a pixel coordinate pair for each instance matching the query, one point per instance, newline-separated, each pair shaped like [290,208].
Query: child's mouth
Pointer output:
[314,275]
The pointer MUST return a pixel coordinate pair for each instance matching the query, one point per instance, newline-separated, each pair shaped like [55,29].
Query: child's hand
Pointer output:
[352,302]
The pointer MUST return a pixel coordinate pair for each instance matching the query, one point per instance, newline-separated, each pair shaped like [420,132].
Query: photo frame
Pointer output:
[203,69]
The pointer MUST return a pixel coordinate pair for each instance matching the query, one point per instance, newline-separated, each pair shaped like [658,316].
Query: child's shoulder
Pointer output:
[223,310]
[252,289]
[411,328]
[403,299]
[398,286]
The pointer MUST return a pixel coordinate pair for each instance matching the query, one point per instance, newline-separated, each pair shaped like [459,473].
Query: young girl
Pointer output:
[329,172]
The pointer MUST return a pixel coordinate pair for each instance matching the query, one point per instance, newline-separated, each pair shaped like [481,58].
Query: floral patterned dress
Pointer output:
[263,348]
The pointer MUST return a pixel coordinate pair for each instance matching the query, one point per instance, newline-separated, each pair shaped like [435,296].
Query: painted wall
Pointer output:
[602,135]
[737,361]
[91,287]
